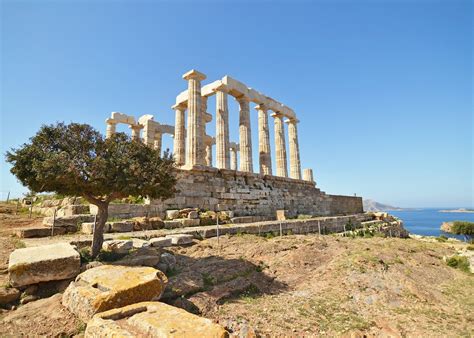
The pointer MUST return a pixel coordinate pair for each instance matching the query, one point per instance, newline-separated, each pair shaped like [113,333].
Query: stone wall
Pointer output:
[249,194]
[344,205]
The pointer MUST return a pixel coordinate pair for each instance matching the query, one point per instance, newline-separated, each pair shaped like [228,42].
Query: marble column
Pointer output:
[179,146]
[194,137]
[111,127]
[204,122]
[245,135]
[222,130]
[265,157]
[158,141]
[280,146]
[295,165]
[308,175]
[233,158]
[136,128]
[209,155]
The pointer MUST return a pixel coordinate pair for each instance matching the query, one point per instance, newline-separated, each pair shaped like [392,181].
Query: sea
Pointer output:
[427,222]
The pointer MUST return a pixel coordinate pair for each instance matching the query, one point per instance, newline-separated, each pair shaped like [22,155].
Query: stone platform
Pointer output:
[251,194]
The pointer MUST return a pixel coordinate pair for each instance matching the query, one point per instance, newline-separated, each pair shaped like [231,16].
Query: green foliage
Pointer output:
[350,226]
[442,238]
[76,160]
[458,262]
[104,256]
[302,216]
[86,256]
[463,228]
[470,247]
[208,281]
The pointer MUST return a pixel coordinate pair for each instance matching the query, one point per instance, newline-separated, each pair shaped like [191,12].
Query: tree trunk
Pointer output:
[98,236]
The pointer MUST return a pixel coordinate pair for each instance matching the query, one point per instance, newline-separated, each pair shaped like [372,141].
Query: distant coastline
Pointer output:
[462,210]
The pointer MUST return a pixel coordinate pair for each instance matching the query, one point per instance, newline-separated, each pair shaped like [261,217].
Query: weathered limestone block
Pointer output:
[108,287]
[68,221]
[186,222]
[38,231]
[140,243]
[121,226]
[70,210]
[152,319]
[180,239]
[160,242]
[88,228]
[119,246]
[173,224]
[141,257]
[172,214]
[43,263]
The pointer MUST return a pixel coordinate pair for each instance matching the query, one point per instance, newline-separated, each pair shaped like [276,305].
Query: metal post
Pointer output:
[31,208]
[319,227]
[17,204]
[217,230]
[281,232]
[8,197]
[54,221]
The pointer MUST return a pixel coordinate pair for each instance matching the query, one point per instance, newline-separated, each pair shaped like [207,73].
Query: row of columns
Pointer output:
[199,154]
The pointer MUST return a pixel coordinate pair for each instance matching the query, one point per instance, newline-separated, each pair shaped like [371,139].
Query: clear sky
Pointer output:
[383,89]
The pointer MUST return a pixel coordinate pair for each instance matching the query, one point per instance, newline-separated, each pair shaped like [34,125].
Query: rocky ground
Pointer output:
[293,285]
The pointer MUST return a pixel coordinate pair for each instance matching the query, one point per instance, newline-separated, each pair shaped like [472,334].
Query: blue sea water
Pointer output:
[427,222]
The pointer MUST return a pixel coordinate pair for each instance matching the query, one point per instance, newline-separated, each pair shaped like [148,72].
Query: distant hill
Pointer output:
[371,205]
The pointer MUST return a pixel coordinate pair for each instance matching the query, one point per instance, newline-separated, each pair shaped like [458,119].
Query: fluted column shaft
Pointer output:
[136,131]
[194,139]
[179,150]
[209,155]
[308,175]
[280,146]
[233,159]
[265,158]
[222,130]
[158,141]
[245,136]
[111,128]
[203,128]
[295,165]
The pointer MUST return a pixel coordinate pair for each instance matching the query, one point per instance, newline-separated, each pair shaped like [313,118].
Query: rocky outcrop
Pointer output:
[153,319]
[43,263]
[108,287]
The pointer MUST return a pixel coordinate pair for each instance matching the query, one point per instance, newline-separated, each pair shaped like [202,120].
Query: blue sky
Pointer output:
[383,89]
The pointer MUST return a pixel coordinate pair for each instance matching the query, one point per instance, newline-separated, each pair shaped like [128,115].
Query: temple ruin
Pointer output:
[228,186]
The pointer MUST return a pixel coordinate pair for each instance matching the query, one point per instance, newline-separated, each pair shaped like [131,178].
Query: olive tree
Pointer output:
[76,160]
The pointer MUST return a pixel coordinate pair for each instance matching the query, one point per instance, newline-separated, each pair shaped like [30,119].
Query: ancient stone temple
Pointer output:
[231,184]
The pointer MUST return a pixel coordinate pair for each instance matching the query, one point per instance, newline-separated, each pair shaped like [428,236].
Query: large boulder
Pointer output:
[142,257]
[43,263]
[121,226]
[73,221]
[172,214]
[152,319]
[108,287]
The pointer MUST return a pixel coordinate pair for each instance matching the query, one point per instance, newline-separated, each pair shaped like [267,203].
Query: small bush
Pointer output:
[470,247]
[458,262]
[85,254]
[442,238]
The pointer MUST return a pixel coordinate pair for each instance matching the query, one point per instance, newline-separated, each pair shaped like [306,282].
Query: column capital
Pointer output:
[242,99]
[261,106]
[136,127]
[292,121]
[194,74]
[180,106]
[277,114]
[222,88]
[111,121]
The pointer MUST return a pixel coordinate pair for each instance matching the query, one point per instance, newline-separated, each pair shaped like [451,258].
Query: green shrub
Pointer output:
[458,262]
[442,238]
[470,247]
